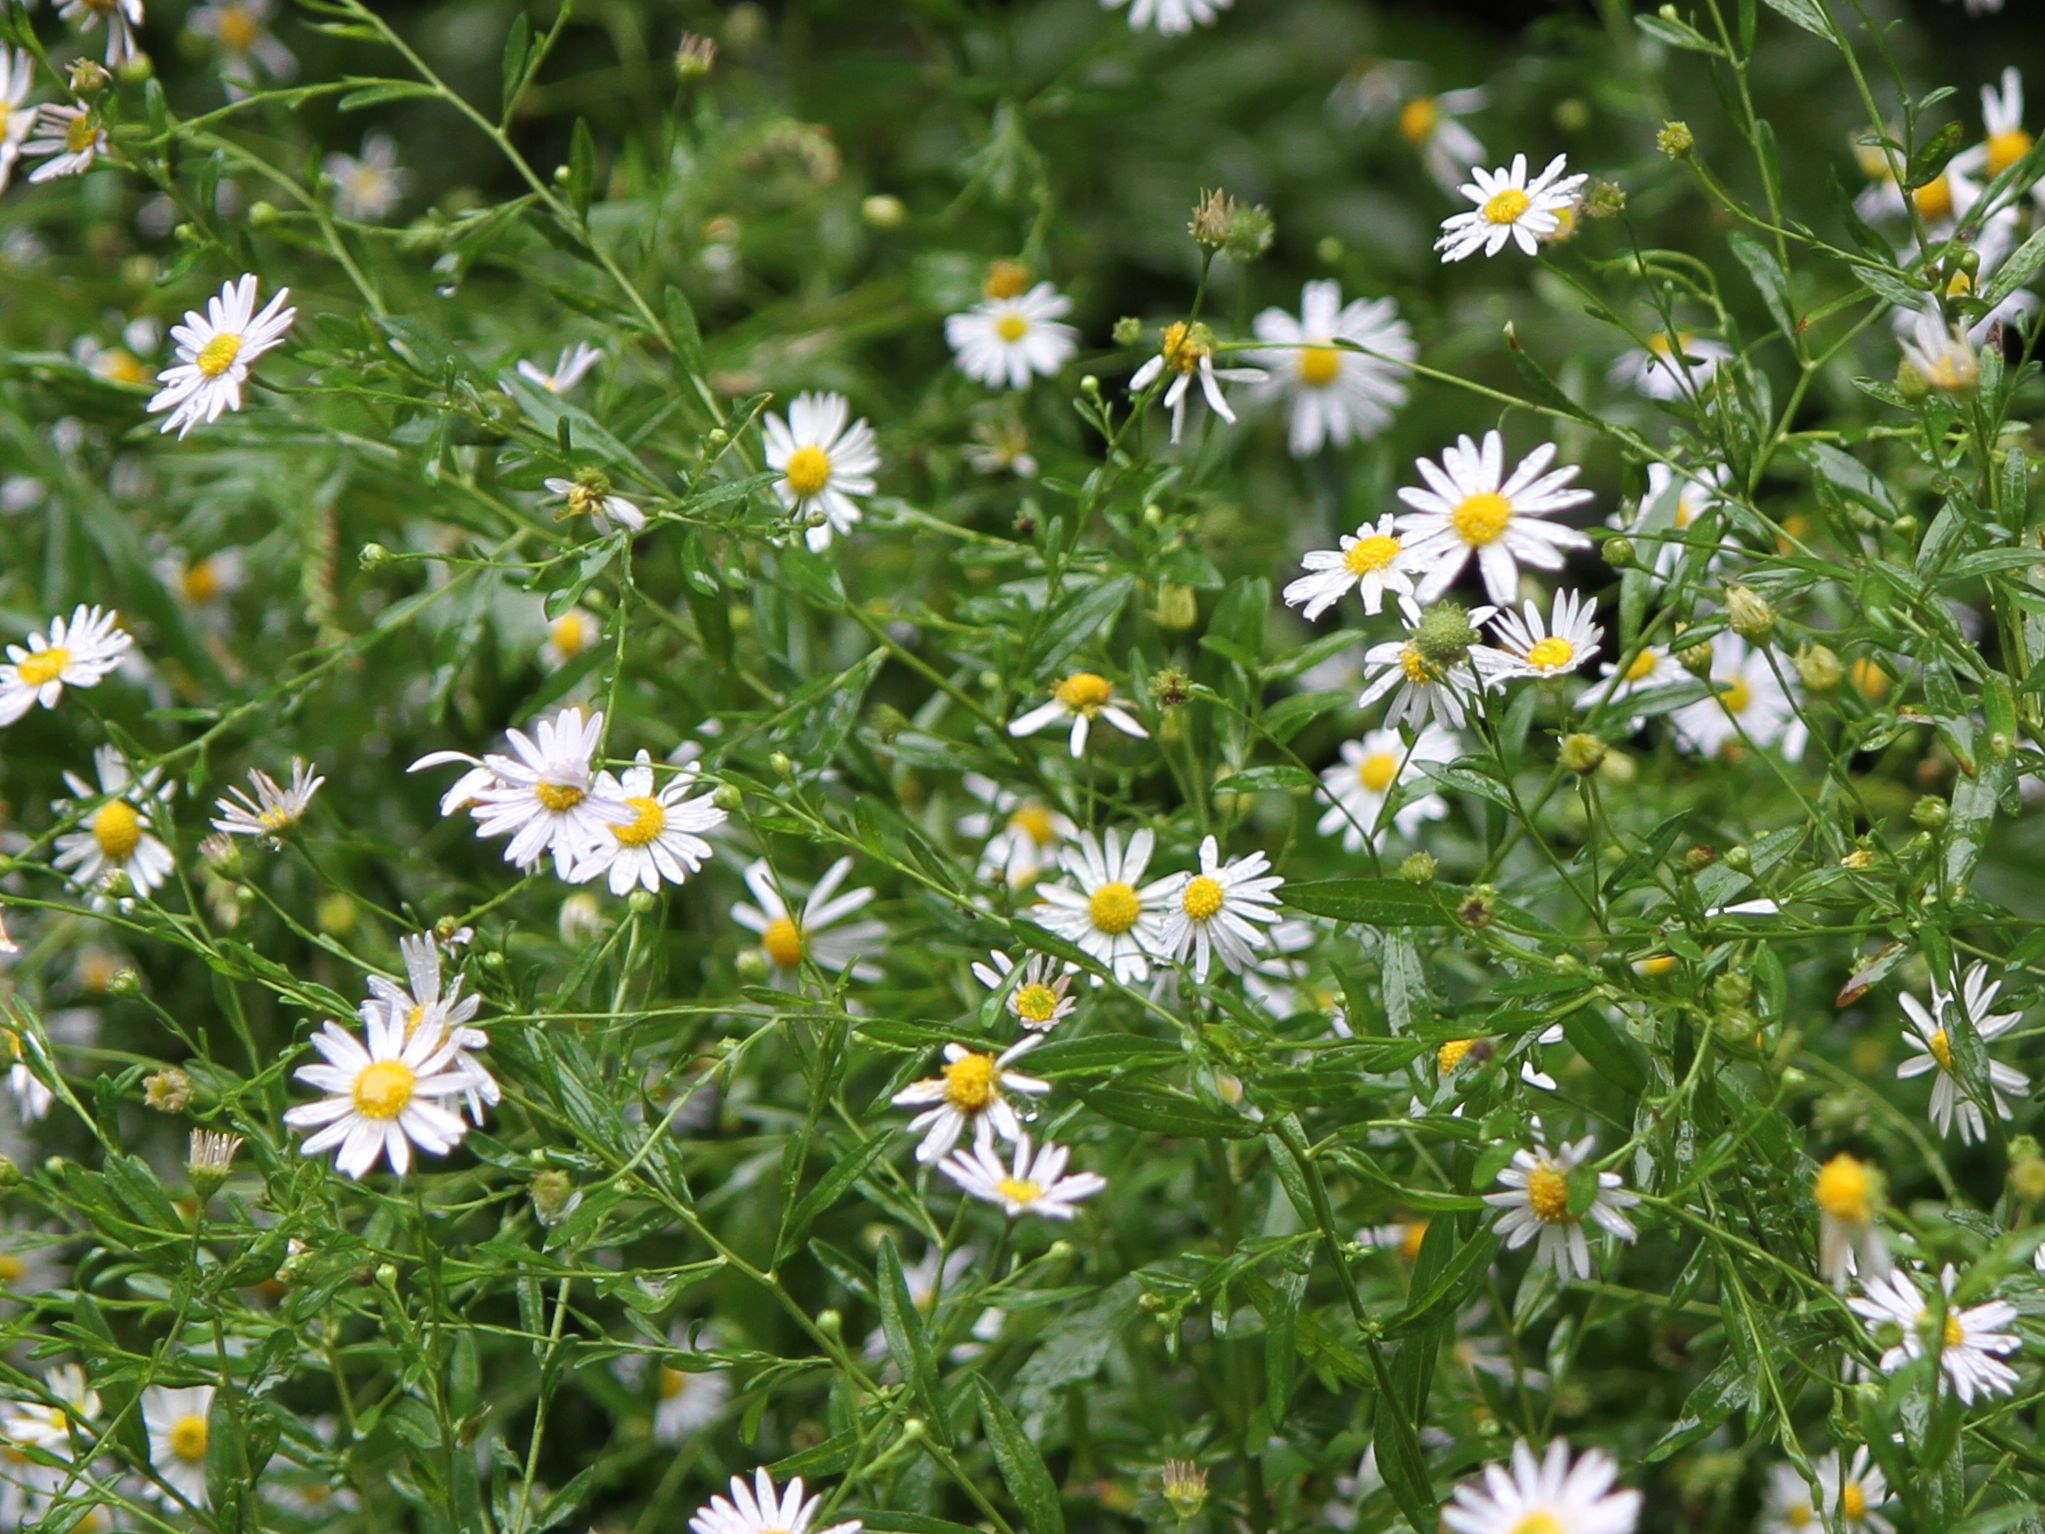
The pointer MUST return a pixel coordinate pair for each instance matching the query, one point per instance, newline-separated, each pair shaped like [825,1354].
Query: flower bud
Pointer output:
[1128,330]
[1699,858]
[1582,754]
[554,1196]
[1929,813]
[1676,140]
[728,798]
[212,1155]
[1818,667]
[1185,1488]
[780,765]
[1480,908]
[373,556]
[1178,609]
[581,919]
[1619,553]
[1171,687]
[1752,618]
[124,981]
[2027,1172]
[884,211]
[641,902]
[168,1090]
[695,58]
[1737,857]
[1445,635]
[1418,868]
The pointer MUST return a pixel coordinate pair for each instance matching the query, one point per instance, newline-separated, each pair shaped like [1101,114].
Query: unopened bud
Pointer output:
[1417,868]
[641,902]
[884,211]
[1752,618]
[554,1196]
[780,765]
[373,556]
[1619,553]
[1128,330]
[1178,609]
[168,1090]
[728,798]
[1929,813]
[1581,753]
[89,77]
[1445,635]
[1819,668]
[1676,140]
[1171,687]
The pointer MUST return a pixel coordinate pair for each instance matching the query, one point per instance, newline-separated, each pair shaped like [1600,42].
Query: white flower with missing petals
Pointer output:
[67,139]
[1847,1192]
[807,928]
[1550,1495]
[973,1090]
[1930,1029]
[1082,697]
[215,350]
[1336,394]
[368,187]
[1105,908]
[1509,207]
[591,496]
[384,1095]
[1536,1201]
[1223,909]
[1021,835]
[823,463]
[1038,998]
[1370,771]
[569,367]
[17,78]
[1940,352]
[1431,128]
[1970,1344]
[1427,691]
[273,809]
[2008,140]
[1032,1183]
[1529,647]
[1188,352]
[1369,561]
[758,1509]
[1673,366]
[1751,702]
[81,651]
[121,16]
[240,29]
[1472,507]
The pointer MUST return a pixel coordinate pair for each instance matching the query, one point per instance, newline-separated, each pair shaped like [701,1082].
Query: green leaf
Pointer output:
[847,1170]
[1373,902]
[1769,278]
[1805,13]
[902,1324]
[516,43]
[581,169]
[1022,1466]
[1087,615]
[2018,268]
[1678,35]
[1166,1112]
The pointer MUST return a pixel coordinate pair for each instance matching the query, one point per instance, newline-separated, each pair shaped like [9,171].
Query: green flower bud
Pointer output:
[1418,868]
[728,798]
[1582,753]
[1752,618]
[1819,667]
[641,902]
[1619,553]
[373,556]
[1445,635]
[1676,140]
[1929,813]
[883,211]
[1128,330]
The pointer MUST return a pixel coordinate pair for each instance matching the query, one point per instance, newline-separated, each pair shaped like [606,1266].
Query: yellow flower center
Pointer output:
[969,1083]
[1036,1003]
[1935,198]
[2005,149]
[1643,666]
[1659,964]
[1869,679]
[1482,518]
[1941,1046]
[1006,279]
[1202,898]
[1737,695]
[1853,1502]
[1798,1516]
[188,1437]
[238,30]
[79,135]
[1034,821]
[1011,327]
[1551,654]
[650,821]
[1376,771]
[1368,554]
[569,633]
[1084,693]
[201,581]
[43,666]
[414,1018]
[384,1088]
[1417,119]
[117,362]
[1319,366]
[1114,908]
[783,942]
[1410,1239]
[1548,1193]
[559,797]
[1182,349]
[672,1382]
[1953,1335]
[1538,1523]
[1507,206]
[218,354]
[1450,1055]
[12,1268]
[1023,1190]
[585,499]
[117,827]
[1845,1190]
[1414,664]
[808,470]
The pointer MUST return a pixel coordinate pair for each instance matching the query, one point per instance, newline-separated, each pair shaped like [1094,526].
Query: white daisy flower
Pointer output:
[1038,999]
[1431,129]
[1750,699]
[1470,506]
[215,350]
[690,1400]
[1928,1029]
[176,1421]
[1188,351]
[569,368]
[1536,1204]
[368,187]
[1006,340]
[67,139]
[1509,207]
[1969,1344]
[121,16]
[81,651]
[823,464]
[422,1004]
[1335,395]
[808,928]
[1852,1497]
[1370,562]
[274,808]
[1034,1182]
[1082,697]
[1545,1496]
[1941,202]
[17,78]
[660,844]
[1106,909]
[570,636]
[1001,447]
[1653,666]
[1528,647]
[760,1510]
[118,836]
[1223,909]
[1847,1192]
[591,496]
[241,30]
[25,1487]
[206,582]
[1940,352]
[1673,367]
[1169,17]
[385,1094]
[1674,499]
[544,796]
[1022,836]
[1370,771]
[973,1090]
[2008,140]
[1426,691]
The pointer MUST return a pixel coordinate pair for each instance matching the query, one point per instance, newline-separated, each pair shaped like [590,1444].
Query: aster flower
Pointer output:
[1105,908]
[1335,395]
[240,29]
[1675,499]
[1038,998]
[176,1421]
[569,637]
[2007,140]
[215,351]
[1529,647]
[1970,1345]
[569,368]
[973,1091]
[1034,1182]
[1081,697]
[17,79]
[1847,1191]
[81,651]
[385,1093]
[1021,835]
[689,1399]
[1222,909]
[1940,352]
[823,464]
[591,496]
[369,186]
[1929,1027]
[1471,507]
[1652,666]
[1509,207]
[67,139]
[1170,17]
[1426,691]
[1431,128]
[661,843]
[422,1004]
[121,16]
[1370,771]
[274,808]
[1535,1203]
[1550,1495]
[809,928]
[1750,699]
[1852,1495]
[119,835]
[1369,561]
[1673,366]
[204,583]
[760,1510]
[1007,339]
[1188,352]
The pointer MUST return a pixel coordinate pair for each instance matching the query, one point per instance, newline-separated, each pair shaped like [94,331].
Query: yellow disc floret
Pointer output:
[1020,1190]
[384,1088]
[1845,1189]
[218,354]
[1376,771]
[188,1437]
[43,666]
[1114,907]
[1548,1193]
[1202,898]
[1319,366]
[1417,119]
[1034,821]
[117,828]
[2005,149]
[1737,696]
[1085,693]
[1012,327]
[1538,1523]
[1482,518]
[1852,1502]
[1551,654]
[1941,1046]
[1036,1004]
[1369,554]
[808,470]
[1507,207]
[1450,1055]
[559,797]
[783,942]
[649,820]
[1006,279]
[970,1082]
